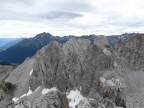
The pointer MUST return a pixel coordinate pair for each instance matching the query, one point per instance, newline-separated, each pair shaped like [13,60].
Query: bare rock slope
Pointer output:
[80,74]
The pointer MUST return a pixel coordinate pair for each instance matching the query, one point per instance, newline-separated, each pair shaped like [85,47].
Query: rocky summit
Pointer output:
[79,73]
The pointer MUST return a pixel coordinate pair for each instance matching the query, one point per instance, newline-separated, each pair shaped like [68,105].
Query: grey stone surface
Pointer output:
[49,100]
[84,104]
[107,77]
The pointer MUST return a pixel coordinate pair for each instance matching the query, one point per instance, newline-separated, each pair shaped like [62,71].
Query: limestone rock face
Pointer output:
[4,71]
[77,64]
[131,62]
[81,74]
[49,100]
[70,65]
[133,52]
[84,104]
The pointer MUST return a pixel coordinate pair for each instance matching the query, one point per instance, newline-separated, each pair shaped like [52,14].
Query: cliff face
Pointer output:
[133,52]
[5,88]
[70,65]
[131,56]
[77,74]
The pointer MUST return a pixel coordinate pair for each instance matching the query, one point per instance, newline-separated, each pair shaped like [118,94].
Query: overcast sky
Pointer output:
[26,18]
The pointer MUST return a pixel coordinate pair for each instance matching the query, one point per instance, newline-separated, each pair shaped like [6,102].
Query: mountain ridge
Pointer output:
[79,73]
[66,66]
[29,46]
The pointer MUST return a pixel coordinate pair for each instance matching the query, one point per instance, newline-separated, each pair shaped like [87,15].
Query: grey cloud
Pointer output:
[112,23]
[119,24]
[16,16]
[14,8]
[47,10]
[49,16]
[77,5]
[58,12]
[69,5]
[135,22]
[130,23]
[117,20]
[60,15]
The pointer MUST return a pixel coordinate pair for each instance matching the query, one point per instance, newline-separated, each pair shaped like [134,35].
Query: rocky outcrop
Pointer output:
[88,73]
[52,100]
[70,65]
[20,77]
[6,89]
[131,57]
[78,63]
[132,51]
[49,100]
[5,70]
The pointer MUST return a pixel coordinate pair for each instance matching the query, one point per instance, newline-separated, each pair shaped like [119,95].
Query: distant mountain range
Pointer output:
[114,39]
[10,44]
[29,46]
[4,41]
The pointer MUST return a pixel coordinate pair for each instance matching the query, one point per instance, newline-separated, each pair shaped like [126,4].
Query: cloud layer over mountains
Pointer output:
[76,17]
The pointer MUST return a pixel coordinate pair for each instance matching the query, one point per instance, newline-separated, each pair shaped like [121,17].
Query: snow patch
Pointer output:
[75,97]
[15,99]
[22,96]
[31,72]
[46,90]
[27,94]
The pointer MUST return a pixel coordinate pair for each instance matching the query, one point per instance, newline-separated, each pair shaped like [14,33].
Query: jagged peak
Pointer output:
[136,41]
[77,44]
[77,40]
[43,35]
[101,41]
[51,45]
